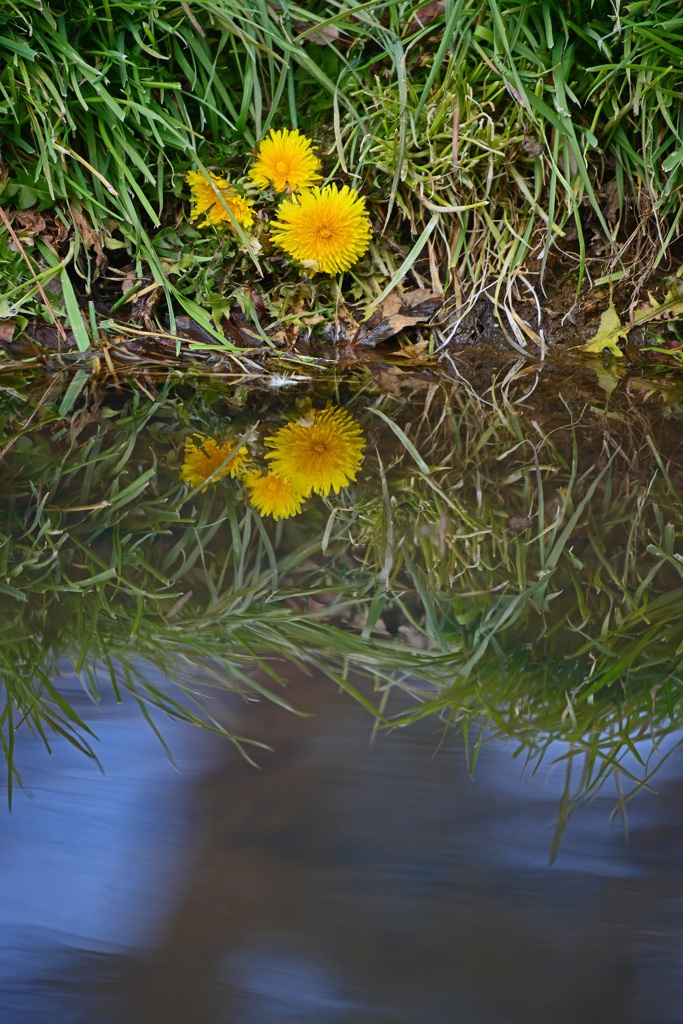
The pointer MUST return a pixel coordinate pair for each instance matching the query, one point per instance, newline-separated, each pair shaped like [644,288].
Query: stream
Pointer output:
[407,757]
[345,880]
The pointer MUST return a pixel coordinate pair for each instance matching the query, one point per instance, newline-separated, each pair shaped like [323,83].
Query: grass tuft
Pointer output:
[491,139]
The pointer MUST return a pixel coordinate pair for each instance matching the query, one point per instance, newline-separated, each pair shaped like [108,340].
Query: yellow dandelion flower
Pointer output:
[320,454]
[328,228]
[272,496]
[205,201]
[285,160]
[204,455]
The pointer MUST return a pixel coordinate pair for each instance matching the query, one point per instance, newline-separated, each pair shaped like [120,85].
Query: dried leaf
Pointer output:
[324,35]
[387,328]
[518,523]
[398,312]
[91,238]
[426,15]
[416,354]
[128,281]
[418,299]
[611,197]
[63,234]
[7,328]
[32,223]
[391,304]
[391,381]
[85,229]
[415,637]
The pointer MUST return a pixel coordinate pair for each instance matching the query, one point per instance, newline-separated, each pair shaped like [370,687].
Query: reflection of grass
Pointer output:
[543,575]
[504,577]
[107,560]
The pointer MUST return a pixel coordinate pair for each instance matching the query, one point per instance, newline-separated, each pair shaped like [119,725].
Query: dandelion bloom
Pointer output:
[205,201]
[327,228]
[320,454]
[285,160]
[204,455]
[272,496]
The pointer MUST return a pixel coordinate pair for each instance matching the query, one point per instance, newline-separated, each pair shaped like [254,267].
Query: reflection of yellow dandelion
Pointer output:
[272,496]
[204,455]
[328,228]
[321,454]
[285,160]
[205,201]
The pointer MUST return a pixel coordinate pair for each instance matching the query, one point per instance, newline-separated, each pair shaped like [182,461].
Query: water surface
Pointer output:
[513,579]
[345,880]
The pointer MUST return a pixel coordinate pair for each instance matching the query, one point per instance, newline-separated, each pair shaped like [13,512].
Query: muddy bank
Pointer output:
[521,348]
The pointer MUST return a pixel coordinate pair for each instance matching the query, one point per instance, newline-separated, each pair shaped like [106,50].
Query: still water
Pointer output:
[346,879]
[514,580]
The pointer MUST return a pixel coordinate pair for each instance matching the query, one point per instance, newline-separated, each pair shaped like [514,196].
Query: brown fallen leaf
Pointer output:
[58,232]
[415,302]
[610,195]
[391,304]
[398,312]
[323,35]
[7,328]
[426,15]
[311,319]
[422,300]
[32,223]
[387,328]
[391,381]
[128,281]
[518,523]
[359,622]
[418,353]
[90,237]
[415,637]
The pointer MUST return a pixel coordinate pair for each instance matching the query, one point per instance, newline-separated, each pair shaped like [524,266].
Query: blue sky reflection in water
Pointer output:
[342,882]
[86,858]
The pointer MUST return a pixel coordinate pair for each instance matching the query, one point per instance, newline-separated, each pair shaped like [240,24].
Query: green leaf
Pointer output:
[73,391]
[200,316]
[607,379]
[607,334]
[406,265]
[670,308]
[407,443]
[73,313]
